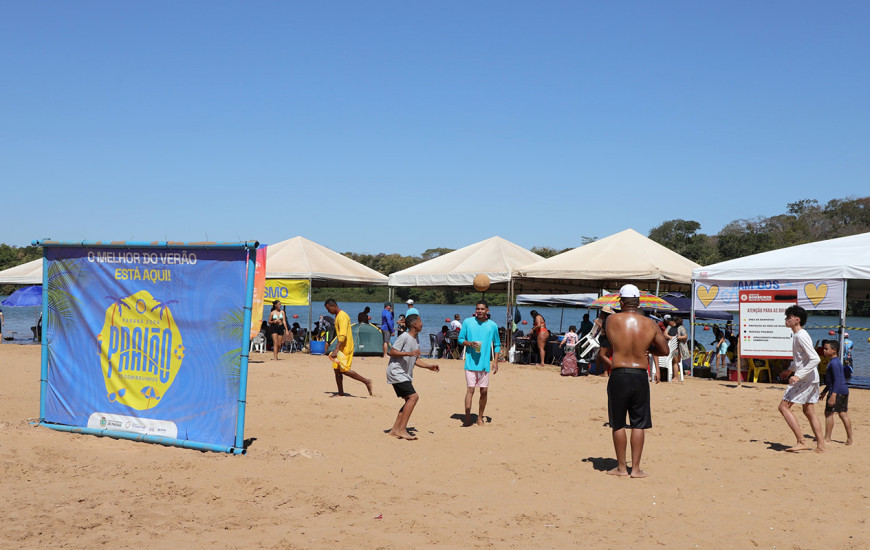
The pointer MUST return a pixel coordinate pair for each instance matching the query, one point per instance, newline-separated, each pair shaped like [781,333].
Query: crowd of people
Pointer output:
[626,342]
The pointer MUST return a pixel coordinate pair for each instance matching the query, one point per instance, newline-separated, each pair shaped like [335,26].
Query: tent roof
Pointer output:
[565,300]
[626,256]
[494,256]
[842,258]
[24,274]
[299,258]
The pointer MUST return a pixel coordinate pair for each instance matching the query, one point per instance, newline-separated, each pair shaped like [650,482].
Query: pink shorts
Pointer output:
[477,379]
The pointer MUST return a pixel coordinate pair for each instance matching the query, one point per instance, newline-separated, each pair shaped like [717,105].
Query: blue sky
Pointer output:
[401,126]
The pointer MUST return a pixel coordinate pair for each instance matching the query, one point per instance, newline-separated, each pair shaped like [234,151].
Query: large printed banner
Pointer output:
[146,340]
[259,291]
[812,294]
[763,333]
[290,292]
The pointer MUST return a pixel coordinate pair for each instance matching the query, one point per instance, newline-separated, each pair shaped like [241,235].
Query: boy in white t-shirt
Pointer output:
[404,356]
[803,381]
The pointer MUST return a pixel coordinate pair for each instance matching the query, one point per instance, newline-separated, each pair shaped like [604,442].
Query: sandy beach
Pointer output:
[320,472]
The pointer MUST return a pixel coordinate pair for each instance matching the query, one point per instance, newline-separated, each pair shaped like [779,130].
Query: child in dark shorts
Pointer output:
[404,356]
[837,391]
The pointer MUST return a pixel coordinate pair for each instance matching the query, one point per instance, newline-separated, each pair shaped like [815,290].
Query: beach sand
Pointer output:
[321,472]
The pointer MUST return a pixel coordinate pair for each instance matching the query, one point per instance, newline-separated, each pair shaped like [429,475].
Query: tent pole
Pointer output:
[309,311]
[842,329]
[510,318]
[692,329]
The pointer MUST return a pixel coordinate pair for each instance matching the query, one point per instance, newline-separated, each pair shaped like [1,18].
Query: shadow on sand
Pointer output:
[601,464]
[461,417]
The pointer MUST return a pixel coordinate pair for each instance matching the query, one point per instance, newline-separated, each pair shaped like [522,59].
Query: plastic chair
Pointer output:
[432,345]
[755,369]
[667,362]
[258,343]
[587,345]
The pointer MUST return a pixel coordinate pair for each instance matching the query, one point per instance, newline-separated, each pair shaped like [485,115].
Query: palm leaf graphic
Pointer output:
[230,328]
[63,276]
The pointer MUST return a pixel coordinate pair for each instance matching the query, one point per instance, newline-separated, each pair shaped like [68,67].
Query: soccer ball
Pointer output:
[481,282]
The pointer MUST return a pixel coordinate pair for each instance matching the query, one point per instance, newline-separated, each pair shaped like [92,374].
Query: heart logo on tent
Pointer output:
[707,293]
[816,293]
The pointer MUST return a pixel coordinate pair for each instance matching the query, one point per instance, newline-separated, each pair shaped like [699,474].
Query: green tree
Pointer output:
[682,237]
[435,252]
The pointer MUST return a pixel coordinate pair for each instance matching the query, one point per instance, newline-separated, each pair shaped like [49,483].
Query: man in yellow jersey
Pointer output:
[342,355]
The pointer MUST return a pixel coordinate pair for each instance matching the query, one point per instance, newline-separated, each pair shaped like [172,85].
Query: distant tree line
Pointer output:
[804,221]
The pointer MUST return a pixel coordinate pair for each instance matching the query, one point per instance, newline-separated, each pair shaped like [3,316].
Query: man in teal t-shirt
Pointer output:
[479,335]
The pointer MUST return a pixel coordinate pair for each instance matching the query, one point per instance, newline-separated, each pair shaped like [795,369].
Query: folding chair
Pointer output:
[258,343]
[432,345]
[587,346]
[667,362]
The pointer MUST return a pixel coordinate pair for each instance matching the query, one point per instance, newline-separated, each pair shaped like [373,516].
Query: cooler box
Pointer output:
[732,374]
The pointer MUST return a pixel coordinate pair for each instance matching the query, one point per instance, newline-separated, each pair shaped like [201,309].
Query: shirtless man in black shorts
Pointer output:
[632,336]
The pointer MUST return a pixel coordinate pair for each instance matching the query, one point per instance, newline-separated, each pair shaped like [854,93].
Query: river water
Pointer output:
[20,319]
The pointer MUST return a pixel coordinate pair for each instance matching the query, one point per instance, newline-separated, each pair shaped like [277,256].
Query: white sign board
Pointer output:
[763,333]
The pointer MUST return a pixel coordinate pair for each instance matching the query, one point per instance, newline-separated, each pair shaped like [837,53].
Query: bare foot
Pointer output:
[617,472]
[405,435]
[848,442]
[797,448]
[820,448]
[369,387]
[827,440]
[636,473]
[481,421]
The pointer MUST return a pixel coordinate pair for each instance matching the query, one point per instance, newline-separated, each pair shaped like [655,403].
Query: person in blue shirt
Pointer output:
[387,326]
[479,336]
[837,391]
[847,357]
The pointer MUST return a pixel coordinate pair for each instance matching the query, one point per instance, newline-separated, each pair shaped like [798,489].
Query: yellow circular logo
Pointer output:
[140,351]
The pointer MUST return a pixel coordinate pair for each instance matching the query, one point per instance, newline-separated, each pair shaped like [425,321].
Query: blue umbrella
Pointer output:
[30,296]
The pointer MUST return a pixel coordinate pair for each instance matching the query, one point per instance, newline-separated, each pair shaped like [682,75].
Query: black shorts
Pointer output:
[404,389]
[628,393]
[841,404]
[277,329]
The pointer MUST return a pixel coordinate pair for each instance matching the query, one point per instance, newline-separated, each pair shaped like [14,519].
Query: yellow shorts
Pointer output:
[342,362]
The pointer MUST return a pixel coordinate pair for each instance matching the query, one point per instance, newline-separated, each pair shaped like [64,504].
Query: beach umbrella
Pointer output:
[647,301]
[30,296]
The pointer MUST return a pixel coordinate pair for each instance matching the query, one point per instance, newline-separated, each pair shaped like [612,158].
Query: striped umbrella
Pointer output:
[647,301]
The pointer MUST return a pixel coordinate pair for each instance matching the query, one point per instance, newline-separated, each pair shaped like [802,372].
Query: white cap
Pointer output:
[629,291]
[410,302]
[666,317]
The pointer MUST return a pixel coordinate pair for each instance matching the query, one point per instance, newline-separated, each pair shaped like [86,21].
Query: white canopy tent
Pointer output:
[29,273]
[624,257]
[301,259]
[495,257]
[825,275]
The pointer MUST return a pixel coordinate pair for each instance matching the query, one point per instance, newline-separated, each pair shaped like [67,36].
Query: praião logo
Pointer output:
[140,351]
